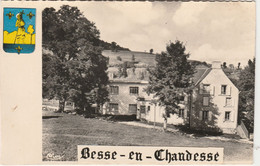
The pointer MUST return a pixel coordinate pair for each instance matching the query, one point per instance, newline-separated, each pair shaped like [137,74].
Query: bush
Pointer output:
[119,58]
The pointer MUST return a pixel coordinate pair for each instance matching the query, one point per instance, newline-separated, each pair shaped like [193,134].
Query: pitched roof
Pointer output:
[200,74]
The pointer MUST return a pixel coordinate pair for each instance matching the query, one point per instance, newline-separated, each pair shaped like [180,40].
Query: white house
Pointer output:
[214,101]
[212,104]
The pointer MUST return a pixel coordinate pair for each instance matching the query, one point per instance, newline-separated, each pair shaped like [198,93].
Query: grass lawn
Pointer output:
[63,132]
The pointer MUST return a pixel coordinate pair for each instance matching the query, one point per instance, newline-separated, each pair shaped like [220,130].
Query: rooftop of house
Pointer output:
[200,74]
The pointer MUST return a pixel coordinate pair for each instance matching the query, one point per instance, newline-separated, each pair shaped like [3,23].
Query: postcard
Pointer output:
[130,83]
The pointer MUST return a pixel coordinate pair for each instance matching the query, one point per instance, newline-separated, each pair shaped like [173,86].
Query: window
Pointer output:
[181,99]
[181,113]
[70,104]
[205,101]
[227,115]
[114,90]
[133,108]
[134,90]
[223,89]
[141,99]
[142,109]
[205,115]
[113,107]
[228,101]
[206,88]
[148,108]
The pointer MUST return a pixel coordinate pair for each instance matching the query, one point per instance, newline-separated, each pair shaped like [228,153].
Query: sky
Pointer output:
[223,31]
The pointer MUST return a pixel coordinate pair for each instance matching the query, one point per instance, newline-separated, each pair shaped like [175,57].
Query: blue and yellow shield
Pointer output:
[19,30]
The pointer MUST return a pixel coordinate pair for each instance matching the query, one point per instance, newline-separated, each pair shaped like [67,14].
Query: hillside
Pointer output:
[111,46]
[142,58]
[137,69]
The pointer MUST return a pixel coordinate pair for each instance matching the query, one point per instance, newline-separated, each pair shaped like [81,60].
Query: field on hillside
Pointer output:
[141,57]
[63,132]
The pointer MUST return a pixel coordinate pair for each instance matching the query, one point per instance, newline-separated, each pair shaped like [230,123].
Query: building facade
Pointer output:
[214,101]
[211,105]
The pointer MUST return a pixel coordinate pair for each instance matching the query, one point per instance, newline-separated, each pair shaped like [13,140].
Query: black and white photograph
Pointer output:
[148,74]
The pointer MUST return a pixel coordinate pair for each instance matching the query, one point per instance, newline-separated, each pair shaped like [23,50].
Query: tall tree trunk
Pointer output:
[61,105]
[165,124]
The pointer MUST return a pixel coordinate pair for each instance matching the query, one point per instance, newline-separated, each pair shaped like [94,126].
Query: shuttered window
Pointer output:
[223,89]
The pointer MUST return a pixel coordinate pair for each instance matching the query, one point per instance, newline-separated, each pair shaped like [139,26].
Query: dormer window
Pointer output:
[223,89]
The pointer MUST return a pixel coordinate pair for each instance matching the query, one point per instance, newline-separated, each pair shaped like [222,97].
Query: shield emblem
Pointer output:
[19,30]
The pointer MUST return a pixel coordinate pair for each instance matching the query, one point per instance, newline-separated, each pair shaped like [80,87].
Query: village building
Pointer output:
[211,105]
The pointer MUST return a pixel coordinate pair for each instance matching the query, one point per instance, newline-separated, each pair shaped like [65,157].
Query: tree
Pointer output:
[133,58]
[76,68]
[124,69]
[133,69]
[224,65]
[171,78]
[114,47]
[231,66]
[246,85]
[238,65]
[151,51]
[119,58]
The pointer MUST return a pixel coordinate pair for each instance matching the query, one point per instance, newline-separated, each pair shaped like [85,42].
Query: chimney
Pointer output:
[216,65]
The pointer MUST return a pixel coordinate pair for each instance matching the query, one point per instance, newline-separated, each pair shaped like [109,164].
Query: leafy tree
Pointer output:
[231,66]
[108,46]
[224,65]
[246,85]
[238,65]
[114,46]
[170,79]
[120,71]
[133,69]
[151,51]
[76,68]
[124,69]
[119,58]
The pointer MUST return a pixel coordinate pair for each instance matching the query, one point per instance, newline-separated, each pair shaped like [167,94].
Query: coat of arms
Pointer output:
[19,30]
